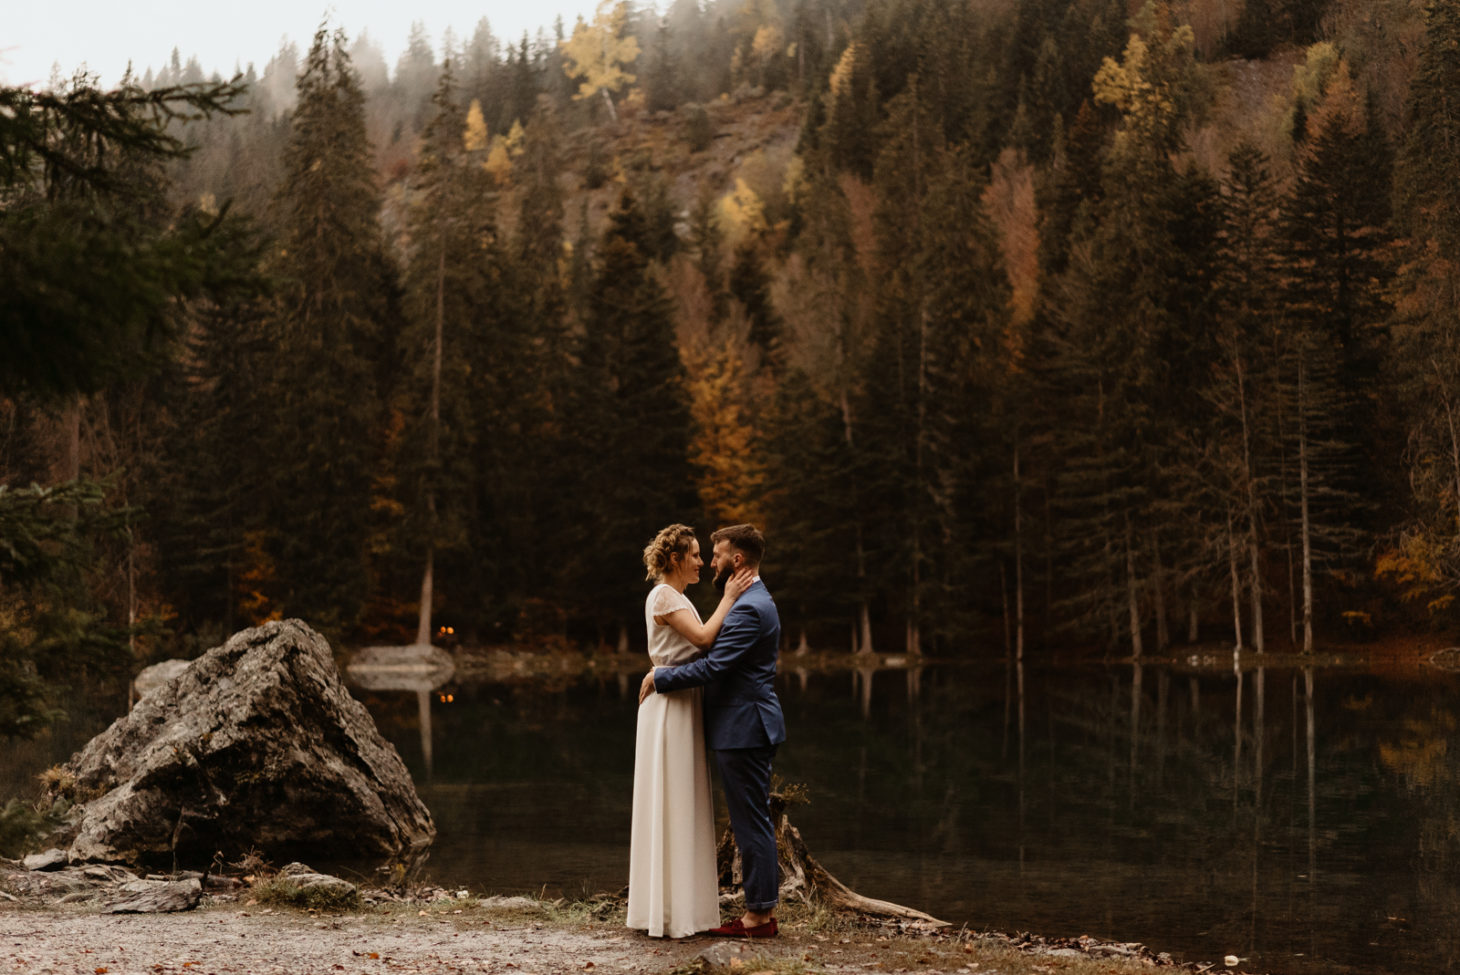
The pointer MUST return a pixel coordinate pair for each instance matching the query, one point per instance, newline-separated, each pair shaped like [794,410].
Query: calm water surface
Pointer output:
[1306,821]
[1308,826]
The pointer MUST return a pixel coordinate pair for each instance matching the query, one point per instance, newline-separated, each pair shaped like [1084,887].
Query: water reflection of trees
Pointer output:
[1134,804]
[1152,788]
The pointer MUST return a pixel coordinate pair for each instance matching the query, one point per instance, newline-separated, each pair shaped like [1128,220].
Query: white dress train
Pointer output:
[673,887]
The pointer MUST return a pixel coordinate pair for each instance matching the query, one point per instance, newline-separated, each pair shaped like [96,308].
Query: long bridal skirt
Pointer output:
[673,887]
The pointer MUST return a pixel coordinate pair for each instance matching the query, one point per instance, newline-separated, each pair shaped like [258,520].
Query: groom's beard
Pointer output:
[723,576]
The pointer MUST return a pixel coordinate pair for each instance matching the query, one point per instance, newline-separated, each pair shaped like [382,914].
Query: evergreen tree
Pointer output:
[1133,332]
[749,286]
[1335,225]
[97,273]
[92,265]
[203,492]
[1424,361]
[331,336]
[448,281]
[631,421]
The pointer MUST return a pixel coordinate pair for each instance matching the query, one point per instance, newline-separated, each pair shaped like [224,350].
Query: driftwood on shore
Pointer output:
[805,879]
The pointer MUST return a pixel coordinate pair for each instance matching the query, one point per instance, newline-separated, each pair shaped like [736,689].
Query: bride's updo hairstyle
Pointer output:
[659,554]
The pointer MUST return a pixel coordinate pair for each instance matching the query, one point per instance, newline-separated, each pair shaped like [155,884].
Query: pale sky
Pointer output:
[106,34]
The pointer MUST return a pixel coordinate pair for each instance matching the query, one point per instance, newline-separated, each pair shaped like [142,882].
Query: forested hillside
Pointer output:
[1016,323]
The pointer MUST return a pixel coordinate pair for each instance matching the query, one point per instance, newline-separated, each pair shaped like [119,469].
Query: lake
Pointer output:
[1305,820]
[1145,804]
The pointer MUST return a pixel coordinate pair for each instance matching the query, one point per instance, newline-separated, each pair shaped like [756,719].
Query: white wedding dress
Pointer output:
[673,887]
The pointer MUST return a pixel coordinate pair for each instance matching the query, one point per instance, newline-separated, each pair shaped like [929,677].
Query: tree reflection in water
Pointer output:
[1129,811]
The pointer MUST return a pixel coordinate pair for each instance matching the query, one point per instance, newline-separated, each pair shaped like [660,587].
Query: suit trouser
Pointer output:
[746,775]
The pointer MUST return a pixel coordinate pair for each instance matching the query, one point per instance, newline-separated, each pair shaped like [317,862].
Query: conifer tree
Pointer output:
[448,283]
[1424,361]
[1335,229]
[332,337]
[1132,331]
[631,420]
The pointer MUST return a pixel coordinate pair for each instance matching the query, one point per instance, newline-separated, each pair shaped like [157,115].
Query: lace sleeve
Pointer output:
[667,601]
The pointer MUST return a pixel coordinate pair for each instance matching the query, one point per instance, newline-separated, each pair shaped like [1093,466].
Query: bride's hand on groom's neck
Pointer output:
[739,582]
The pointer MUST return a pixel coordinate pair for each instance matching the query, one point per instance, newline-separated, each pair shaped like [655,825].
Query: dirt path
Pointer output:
[233,940]
[227,940]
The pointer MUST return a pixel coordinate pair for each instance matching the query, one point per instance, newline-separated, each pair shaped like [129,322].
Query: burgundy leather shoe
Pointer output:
[737,929]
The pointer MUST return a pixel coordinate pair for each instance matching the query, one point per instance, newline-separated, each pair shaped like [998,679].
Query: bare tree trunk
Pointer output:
[1259,732]
[608,100]
[861,643]
[1307,527]
[1158,589]
[1312,778]
[1193,622]
[1254,584]
[1008,616]
[1236,585]
[1132,599]
[428,582]
[1249,479]
[1047,624]
[864,643]
[1018,559]
[1237,728]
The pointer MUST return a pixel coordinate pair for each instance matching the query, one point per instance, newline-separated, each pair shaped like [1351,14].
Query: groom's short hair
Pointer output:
[747,538]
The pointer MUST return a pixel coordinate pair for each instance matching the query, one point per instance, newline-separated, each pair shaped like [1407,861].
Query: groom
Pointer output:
[743,722]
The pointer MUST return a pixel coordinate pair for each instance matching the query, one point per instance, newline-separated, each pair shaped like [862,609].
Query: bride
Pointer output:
[673,885]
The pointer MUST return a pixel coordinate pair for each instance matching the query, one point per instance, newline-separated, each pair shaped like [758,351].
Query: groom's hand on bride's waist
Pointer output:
[647,686]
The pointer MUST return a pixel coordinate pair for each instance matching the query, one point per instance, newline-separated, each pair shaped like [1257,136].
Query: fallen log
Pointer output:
[805,879]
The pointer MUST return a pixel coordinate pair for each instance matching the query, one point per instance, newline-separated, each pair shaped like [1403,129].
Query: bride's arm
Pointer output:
[703,634]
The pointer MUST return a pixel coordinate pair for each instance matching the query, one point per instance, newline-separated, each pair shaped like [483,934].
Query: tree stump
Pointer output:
[803,878]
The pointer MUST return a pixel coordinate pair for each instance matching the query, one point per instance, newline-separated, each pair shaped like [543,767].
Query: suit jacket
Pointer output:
[738,675]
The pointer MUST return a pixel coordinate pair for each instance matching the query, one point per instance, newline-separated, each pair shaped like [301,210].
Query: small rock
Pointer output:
[510,904]
[723,954]
[156,897]
[52,859]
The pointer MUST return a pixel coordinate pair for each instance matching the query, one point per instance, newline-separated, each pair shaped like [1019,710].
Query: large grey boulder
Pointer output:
[254,746]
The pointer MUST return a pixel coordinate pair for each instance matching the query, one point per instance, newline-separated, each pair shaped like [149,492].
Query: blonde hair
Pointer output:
[671,541]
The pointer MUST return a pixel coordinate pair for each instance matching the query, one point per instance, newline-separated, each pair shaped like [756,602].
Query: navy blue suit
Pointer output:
[743,724]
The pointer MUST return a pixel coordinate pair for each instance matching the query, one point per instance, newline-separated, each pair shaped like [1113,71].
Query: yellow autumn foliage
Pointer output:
[598,52]
[741,213]
[474,138]
[840,85]
[767,43]
[1152,83]
[724,432]
[499,162]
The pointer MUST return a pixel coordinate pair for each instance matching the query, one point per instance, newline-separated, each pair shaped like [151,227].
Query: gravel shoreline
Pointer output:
[232,939]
